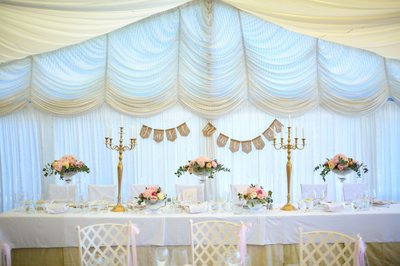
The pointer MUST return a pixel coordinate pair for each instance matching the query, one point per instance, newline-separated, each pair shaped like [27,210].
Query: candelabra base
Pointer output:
[288,207]
[118,208]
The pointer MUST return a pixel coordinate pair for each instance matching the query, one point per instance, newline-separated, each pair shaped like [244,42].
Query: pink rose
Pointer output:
[147,194]
[340,167]
[214,164]
[153,198]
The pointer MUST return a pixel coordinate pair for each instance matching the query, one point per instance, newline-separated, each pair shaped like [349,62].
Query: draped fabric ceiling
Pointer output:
[211,56]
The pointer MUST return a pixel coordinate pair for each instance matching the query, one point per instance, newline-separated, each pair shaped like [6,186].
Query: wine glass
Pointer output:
[179,257]
[161,256]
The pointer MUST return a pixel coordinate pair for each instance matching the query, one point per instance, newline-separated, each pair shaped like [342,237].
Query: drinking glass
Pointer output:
[179,257]
[161,256]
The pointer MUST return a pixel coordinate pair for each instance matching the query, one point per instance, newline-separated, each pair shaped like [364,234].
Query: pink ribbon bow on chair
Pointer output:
[361,248]
[5,254]
[242,241]
[133,259]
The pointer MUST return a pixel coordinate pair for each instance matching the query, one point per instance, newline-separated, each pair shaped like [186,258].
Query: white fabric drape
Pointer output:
[209,57]
[34,27]
[40,138]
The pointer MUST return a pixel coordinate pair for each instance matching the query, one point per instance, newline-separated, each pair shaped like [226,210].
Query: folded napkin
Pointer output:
[196,207]
[54,208]
[333,206]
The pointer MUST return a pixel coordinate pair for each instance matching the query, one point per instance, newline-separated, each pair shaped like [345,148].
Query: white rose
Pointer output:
[253,195]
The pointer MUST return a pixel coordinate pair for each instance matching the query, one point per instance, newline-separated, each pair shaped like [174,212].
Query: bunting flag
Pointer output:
[258,143]
[183,130]
[246,145]
[171,134]
[158,135]
[234,146]
[222,140]
[208,130]
[145,132]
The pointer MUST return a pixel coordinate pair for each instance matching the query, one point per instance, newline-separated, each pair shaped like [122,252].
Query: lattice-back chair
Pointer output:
[108,244]
[212,240]
[325,248]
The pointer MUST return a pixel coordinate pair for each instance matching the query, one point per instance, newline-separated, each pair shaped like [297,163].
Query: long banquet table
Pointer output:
[278,229]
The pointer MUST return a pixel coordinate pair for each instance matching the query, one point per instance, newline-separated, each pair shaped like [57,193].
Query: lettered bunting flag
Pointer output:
[209,129]
[234,146]
[158,135]
[277,126]
[183,130]
[258,143]
[171,134]
[269,134]
[145,131]
[222,140]
[246,146]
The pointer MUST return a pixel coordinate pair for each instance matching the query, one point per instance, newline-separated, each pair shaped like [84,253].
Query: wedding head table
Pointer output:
[170,226]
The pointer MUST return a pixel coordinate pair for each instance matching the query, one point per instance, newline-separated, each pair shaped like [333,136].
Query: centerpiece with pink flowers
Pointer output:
[256,196]
[341,165]
[202,166]
[153,197]
[66,167]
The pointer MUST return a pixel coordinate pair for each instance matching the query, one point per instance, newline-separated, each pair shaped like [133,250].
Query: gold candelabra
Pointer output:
[120,148]
[289,147]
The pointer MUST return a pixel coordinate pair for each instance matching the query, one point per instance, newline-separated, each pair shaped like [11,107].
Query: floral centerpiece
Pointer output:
[341,165]
[202,166]
[151,195]
[256,195]
[66,165]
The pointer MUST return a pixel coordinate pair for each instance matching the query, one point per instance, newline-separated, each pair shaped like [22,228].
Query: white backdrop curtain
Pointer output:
[207,56]
[31,138]
[35,26]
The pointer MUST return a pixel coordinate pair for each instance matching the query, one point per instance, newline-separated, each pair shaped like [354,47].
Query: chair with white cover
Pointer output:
[212,240]
[330,248]
[108,244]
[236,188]
[190,193]
[62,193]
[101,192]
[314,191]
[353,190]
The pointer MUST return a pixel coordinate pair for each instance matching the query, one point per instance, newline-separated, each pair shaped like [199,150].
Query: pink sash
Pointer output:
[5,254]
[242,241]
[361,248]
[133,258]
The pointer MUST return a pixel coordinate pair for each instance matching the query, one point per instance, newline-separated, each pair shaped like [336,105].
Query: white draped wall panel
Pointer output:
[351,81]
[31,138]
[209,57]
[70,80]
[14,85]
[143,67]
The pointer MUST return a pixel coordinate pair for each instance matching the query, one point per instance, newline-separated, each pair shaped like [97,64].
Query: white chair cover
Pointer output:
[102,192]
[353,190]
[314,191]
[237,188]
[62,193]
[5,254]
[190,193]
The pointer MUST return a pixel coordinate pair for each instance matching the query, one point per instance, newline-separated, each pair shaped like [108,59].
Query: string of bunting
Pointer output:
[246,145]
[170,133]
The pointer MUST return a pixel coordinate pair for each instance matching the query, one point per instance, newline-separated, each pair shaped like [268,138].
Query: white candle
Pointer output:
[282,132]
[110,132]
[122,120]
[133,133]
[289,122]
[303,132]
[296,132]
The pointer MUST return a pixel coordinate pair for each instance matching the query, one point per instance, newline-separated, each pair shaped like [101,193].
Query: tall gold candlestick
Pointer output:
[288,146]
[120,148]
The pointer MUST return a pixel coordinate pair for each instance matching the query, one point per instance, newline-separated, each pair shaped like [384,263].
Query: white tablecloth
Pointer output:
[22,230]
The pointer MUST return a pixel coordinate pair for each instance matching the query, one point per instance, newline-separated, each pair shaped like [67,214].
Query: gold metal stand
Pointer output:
[120,148]
[288,206]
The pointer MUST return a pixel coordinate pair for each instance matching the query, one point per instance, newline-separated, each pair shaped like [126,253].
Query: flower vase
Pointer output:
[153,207]
[67,177]
[254,205]
[342,176]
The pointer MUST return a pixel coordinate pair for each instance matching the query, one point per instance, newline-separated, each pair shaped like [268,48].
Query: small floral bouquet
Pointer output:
[64,165]
[202,166]
[151,195]
[341,165]
[256,195]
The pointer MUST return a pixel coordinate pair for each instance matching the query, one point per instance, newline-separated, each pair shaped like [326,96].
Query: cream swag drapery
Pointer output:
[207,55]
